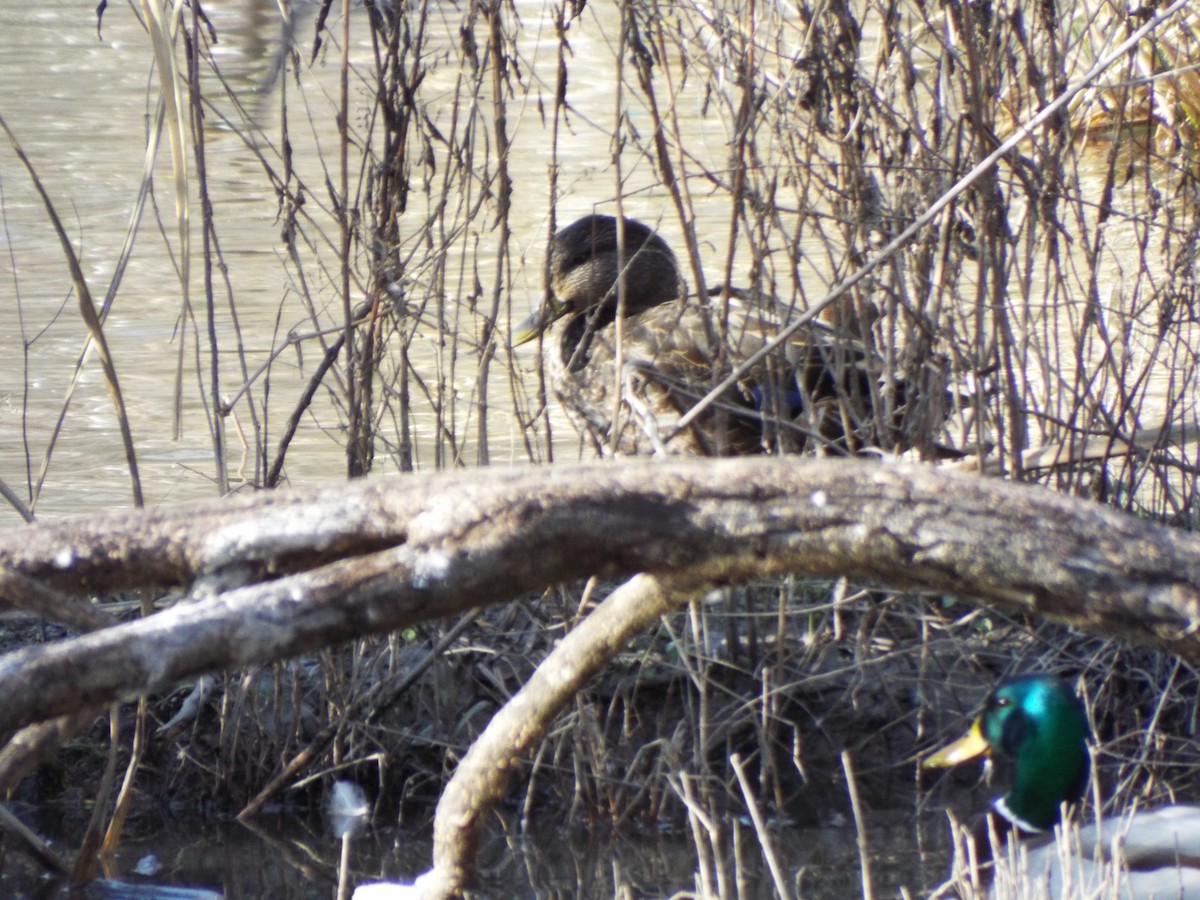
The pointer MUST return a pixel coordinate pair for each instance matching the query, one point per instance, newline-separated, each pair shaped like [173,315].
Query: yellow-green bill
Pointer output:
[970,746]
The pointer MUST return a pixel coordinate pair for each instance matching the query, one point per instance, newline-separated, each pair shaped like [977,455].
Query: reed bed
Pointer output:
[778,147]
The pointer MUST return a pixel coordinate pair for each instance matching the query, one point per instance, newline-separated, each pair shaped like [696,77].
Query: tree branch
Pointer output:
[279,574]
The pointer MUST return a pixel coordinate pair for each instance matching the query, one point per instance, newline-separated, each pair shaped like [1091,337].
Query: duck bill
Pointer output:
[528,328]
[536,322]
[970,746]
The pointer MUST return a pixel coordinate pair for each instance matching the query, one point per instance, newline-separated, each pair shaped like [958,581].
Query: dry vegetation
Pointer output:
[778,146]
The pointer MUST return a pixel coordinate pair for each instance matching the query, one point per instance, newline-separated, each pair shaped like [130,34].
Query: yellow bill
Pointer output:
[970,746]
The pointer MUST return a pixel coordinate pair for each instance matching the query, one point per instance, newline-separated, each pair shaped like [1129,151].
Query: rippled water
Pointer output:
[79,104]
[285,861]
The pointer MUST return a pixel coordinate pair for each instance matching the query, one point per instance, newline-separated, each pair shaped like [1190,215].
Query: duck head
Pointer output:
[1036,724]
[585,265]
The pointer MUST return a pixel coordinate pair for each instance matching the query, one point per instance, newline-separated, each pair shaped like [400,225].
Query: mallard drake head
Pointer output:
[1036,724]
[585,265]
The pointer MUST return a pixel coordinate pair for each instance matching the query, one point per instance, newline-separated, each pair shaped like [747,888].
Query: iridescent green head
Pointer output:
[1037,724]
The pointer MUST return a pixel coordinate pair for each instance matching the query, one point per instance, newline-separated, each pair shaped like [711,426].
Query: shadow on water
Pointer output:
[289,860]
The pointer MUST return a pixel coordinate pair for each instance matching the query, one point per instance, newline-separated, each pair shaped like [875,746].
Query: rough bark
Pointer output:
[279,574]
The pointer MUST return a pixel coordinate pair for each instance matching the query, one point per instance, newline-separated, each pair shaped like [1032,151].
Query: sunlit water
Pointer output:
[80,106]
[78,103]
